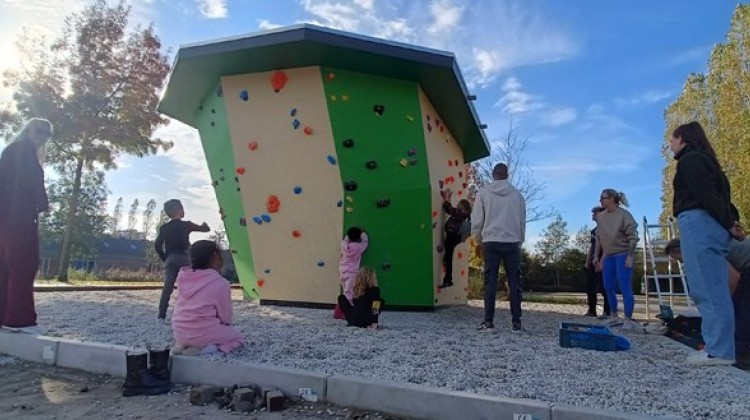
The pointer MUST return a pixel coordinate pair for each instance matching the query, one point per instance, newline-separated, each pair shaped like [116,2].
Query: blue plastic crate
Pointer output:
[592,337]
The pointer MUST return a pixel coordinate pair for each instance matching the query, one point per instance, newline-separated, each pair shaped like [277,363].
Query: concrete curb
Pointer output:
[389,397]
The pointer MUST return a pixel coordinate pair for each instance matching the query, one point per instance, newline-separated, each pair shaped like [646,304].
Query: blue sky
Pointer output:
[586,80]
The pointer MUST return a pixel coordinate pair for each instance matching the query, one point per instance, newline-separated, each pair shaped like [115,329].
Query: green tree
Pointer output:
[98,83]
[117,216]
[151,255]
[148,217]
[582,240]
[133,219]
[554,242]
[91,217]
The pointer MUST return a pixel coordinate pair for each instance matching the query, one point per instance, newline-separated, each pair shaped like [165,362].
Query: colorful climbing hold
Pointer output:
[321,263]
[450,163]
[215,183]
[465,185]
[331,76]
[340,203]
[236,179]
[295,123]
[267,271]
[252,146]
[244,96]
[345,98]
[455,162]
[386,266]
[273,204]
[296,233]
[348,143]
[460,193]
[213,124]
[278,81]
[437,121]
[349,199]
[266,218]
[441,184]
[434,225]
[350,186]
[412,151]
[422,226]
[293,112]
[331,159]
[258,220]
[243,221]
[371,164]
[383,202]
[460,174]
[240,170]
[378,109]
[463,273]
[439,249]
[297,189]
[413,162]
[428,117]
[219,91]
[349,209]
[308,130]
[333,98]
[460,255]
[434,214]
[429,128]
[261,282]
[404,162]
[409,118]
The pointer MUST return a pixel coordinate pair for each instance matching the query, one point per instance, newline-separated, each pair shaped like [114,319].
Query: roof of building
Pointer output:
[198,67]
[108,246]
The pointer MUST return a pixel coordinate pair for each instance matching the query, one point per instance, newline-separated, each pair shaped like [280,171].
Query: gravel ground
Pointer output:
[440,349]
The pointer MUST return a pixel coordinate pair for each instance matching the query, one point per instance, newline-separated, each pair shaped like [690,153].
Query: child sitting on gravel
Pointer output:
[202,319]
[353,246]
[367,304]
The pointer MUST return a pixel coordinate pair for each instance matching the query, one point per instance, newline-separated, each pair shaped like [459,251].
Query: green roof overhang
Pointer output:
[199,66]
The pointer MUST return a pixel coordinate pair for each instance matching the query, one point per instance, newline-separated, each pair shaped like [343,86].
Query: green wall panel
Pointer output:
[214,131]
[401,233]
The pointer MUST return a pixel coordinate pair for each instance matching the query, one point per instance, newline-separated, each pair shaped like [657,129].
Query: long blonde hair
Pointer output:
[618,196]
[33,124]
[366,278]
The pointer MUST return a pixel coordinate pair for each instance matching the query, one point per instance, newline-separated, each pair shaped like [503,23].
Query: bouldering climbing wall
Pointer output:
[297,156]
[288,172]
[383,162]
[446,166]
[213,127]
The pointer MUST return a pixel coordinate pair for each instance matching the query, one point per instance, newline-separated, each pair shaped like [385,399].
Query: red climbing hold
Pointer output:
[460,193]
[296,234]
[456,162]
[308,130]
[261,282]
[465,185]
[434,214]
[450,163]
[460,255]
[252,145]
[331,76]
[241,170]
[463,273]
[278,81]
[460,174]
[273,204]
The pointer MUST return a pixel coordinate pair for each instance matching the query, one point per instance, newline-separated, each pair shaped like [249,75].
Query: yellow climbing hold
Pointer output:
[349,209]
[409,118]
[333,98]
[404,162]
[344,98]
[349,199]
[421,226]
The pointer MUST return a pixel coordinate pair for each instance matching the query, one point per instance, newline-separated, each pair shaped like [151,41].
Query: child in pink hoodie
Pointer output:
[353,246]
[202,319]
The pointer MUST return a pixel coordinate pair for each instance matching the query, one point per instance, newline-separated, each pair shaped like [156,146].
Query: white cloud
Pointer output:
[560,116]
[213,9]
[266,25]
[515,100]
[648,97]
[446,16]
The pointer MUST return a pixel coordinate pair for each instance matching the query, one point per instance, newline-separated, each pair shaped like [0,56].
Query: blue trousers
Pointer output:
[510,255]
[705,245]
[617,275]
[741,299]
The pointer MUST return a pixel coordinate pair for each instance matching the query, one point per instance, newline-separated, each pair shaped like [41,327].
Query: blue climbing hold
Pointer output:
[331,160]
[266,218]
[258,220]
[293,112]
[244,96]
[298,190]
[295,124]
[321,263]
[340,203]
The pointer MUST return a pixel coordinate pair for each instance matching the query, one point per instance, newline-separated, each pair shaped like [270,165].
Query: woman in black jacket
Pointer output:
[367,304]
[22,198]
[702,205]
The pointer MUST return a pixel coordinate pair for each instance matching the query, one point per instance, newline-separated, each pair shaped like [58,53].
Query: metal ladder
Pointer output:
[657,267]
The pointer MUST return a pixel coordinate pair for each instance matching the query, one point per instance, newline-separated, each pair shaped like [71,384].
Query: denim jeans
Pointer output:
[741,299]
[705,245]
[171,268]
[617,275]
[510,255]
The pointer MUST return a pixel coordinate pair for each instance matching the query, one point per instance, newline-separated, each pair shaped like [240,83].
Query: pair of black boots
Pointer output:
[143,378]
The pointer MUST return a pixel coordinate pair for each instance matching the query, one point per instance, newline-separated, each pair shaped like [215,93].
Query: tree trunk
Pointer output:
[62,275]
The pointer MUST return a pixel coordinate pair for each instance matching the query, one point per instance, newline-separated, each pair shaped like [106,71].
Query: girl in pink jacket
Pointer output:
[353,246]
[202,319]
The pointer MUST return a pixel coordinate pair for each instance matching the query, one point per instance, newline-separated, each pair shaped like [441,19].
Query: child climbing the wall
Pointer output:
[365,309]
[353,246]
[202,320]
[453,232]
[172,245]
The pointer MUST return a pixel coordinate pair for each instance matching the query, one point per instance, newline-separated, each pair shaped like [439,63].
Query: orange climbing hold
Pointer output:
[273,204]
[296,233]
[241,170]
[278,81]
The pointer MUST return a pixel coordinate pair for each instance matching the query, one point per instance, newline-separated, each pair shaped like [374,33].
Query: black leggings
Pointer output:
[451,242]
[360,316]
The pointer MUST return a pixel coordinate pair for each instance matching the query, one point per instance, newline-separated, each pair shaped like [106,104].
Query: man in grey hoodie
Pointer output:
[498,222]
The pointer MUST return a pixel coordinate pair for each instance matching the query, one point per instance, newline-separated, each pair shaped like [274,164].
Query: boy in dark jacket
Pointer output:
[458,216]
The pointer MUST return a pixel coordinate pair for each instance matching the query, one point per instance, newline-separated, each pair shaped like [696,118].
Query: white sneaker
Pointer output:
[615,322]
[659,329]
[702,358]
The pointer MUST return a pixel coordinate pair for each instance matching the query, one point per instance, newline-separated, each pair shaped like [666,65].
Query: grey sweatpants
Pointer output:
[171,268]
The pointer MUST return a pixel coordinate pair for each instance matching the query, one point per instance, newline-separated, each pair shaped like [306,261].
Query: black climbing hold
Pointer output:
[213,124]
[243,221]
[220,91]
[383,202]
[200,108]
[350,185]
[215,183]
[413,162]
[238,188]
[234,251]
[348,143]
[236,179]
[371,164]
[222,178]
[412,151]
[213,110]
[386,266]
[378,109]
